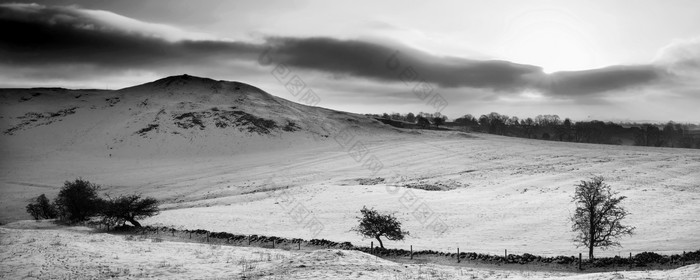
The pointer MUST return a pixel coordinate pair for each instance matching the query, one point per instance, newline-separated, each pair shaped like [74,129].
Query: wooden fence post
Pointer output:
[273,244]
[248,240]
[579,261]
[458,259]
[371,247]
[506,254]
[299,245]
[411,251]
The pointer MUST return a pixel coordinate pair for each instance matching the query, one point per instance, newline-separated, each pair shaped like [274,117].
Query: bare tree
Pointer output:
[375,225]
[598,216]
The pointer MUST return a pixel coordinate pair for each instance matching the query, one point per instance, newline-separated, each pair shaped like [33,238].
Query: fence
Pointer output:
[455,257]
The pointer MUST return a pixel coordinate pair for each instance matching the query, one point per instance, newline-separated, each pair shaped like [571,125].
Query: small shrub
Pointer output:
[648,257]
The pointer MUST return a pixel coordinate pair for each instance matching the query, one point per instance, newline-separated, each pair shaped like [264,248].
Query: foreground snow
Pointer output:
[38,250]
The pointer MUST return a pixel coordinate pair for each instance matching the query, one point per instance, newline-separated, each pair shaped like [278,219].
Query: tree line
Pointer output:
[79,201]
[552,127]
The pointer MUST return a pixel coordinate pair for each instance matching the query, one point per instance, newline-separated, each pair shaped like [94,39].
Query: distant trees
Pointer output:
[648,135]
[528,126]
[410,117]
[598,216]
[376,225]
[494,123]
[41,208]
[423,122]
[129,208]
[467,120]
[552,127]
[563,131]
[669,135]
[438,121]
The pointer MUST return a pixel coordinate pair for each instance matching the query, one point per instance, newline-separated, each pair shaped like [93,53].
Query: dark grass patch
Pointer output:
[291,126]
[224,119]
[143,131]
[434,186]
[370,181]
[33,119]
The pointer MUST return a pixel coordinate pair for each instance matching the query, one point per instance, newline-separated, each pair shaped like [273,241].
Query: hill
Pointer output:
[48,135]
[174,116]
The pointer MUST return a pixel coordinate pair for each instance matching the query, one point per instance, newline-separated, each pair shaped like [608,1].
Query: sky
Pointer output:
[635,60]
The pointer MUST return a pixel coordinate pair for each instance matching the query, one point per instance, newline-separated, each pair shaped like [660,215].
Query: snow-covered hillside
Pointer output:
[171,117]
[49,135]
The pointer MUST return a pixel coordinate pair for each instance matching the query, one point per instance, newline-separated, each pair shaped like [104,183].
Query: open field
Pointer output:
[507,193]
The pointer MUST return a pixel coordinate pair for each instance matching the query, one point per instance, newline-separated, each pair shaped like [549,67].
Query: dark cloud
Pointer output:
[40,36]
[398,63]
[36,35]
[577,83]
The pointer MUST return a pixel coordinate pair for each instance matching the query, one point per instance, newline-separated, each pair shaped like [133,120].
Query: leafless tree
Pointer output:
[598,216]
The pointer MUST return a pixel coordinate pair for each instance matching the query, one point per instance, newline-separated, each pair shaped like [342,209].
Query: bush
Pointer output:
[78,200]
[33,209]
[129,208]
[42,208]
[649,257]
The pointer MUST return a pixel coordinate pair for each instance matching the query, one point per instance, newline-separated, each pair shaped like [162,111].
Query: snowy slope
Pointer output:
[134,135]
